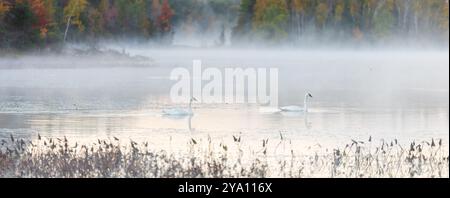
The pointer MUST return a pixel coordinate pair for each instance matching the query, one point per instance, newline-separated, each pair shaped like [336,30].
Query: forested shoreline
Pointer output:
[44,24]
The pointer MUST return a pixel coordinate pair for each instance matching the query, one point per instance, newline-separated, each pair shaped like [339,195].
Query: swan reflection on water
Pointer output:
[308,124]
[187,118]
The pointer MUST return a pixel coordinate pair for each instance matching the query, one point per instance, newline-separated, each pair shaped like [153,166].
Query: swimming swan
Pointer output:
[297,108]
[180,111]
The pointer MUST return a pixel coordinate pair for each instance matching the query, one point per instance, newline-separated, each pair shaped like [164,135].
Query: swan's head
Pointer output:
[309,95]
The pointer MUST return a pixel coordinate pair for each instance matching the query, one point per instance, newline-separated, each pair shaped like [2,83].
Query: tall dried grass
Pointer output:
[59,158]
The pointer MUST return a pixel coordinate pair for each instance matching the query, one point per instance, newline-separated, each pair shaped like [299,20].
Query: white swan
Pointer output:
[297,108]
[180,111]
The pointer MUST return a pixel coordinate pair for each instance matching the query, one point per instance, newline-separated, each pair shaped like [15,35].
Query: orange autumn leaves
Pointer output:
[39,11]
[166,15]
[4,7]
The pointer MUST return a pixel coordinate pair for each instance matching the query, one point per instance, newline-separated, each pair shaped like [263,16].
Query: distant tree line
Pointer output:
[300,21]
[28,24]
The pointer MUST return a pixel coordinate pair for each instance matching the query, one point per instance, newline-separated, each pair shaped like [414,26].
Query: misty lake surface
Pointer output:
[384,94]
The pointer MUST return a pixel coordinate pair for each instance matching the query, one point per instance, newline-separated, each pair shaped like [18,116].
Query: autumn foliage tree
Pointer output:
[271,19]
[4,7]
[156,10]
[72,15]
[41,17]
[164,19]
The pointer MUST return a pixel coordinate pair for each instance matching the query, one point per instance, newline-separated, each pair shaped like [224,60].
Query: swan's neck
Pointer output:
[305,103]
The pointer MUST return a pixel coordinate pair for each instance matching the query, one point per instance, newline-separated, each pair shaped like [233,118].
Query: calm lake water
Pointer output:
[386,95]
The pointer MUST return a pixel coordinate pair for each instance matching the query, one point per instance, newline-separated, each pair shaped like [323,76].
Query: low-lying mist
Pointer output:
[364,77]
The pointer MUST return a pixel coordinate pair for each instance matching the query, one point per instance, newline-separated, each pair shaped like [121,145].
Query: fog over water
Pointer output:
[386,94]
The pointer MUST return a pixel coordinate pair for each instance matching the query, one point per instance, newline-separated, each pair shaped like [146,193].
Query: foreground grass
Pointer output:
[47,157]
